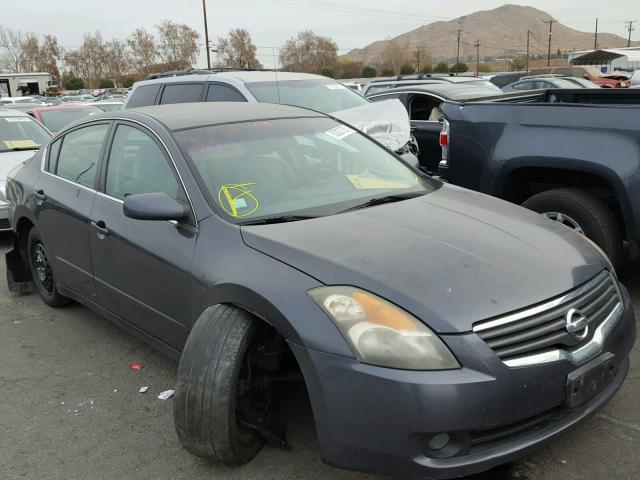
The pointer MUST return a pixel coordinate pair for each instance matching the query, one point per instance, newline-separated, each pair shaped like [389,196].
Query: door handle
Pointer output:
[39,194]
[100,227]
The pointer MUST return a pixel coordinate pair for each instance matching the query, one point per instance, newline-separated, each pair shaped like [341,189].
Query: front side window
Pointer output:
[301,166]
[322,95]
[80,154]
[137,164]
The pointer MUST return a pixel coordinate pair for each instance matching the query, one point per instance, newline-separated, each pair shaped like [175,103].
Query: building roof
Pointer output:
[604,56]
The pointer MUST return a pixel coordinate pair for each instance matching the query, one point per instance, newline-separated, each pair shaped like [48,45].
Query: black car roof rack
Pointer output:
[201,71]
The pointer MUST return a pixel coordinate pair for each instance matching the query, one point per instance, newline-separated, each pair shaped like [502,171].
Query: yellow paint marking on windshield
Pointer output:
[20,143]
[364,183]
[237,196]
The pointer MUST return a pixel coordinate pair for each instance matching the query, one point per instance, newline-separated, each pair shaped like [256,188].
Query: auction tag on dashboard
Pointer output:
[334,86]
[20,143]
[340,132]
[17,119]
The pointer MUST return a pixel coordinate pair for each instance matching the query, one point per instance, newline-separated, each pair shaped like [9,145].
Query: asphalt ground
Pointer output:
[70,408]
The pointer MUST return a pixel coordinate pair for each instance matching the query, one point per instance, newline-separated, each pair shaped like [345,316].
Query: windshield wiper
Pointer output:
[398,197]
[278,219]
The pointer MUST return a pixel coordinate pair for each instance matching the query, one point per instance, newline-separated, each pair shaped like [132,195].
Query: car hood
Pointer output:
[8,160]
[387,122]
[451,257]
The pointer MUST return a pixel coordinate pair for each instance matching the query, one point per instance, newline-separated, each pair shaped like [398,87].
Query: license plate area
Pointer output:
[587,381]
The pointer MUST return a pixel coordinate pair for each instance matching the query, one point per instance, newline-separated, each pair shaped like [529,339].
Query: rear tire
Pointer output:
[206,387]
[42,272]
[589,214]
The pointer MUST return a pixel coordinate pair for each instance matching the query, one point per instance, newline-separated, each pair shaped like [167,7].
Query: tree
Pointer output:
[518,63]
[348,68]
[328,72]
[426,69]
[460,68]
[407,69]
[117,61]
[387,72]
[441,68]
[128,82]
[308,52]
[49,55]
[74,83]
[106,83]
[11,49]
[88,61]
[369,71]
[484,68]
[394,54]
[237,50]
[178,44]
[143,50]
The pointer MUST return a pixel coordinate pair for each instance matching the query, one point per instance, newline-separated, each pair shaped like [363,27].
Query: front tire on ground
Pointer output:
[582,211]
[205,406]
[42,271]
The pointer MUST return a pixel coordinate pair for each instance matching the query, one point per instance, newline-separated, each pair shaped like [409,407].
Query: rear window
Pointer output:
[181,93]
[56,120]
[144,95]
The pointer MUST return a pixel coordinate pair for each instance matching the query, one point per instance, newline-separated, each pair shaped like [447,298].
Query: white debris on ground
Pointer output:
[166,394]
[143,389]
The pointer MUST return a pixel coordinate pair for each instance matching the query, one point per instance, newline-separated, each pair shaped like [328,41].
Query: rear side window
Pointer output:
[224,93]
[80,154]
[181,93]
[144,95]
[54,150]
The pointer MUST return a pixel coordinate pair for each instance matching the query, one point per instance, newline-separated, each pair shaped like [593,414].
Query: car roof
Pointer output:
[6,112]
[446,90]
[190,115]
[73,106]
[427,80]
[245,76]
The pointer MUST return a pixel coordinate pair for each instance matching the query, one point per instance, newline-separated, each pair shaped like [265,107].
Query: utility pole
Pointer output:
[550,22]
[418,60]
[459,35]
[629,26]
[206,33]
[595,41]
[477,45]
[526,63]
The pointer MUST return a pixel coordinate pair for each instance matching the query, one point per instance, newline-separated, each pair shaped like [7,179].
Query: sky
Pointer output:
[272,22]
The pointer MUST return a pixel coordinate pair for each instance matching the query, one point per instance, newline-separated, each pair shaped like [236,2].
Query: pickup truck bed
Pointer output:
[571,154]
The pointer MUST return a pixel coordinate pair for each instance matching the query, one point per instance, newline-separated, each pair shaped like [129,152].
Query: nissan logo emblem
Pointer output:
[577,324]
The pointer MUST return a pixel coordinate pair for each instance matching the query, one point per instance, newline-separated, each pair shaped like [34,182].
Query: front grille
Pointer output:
[544,327]
[5,224]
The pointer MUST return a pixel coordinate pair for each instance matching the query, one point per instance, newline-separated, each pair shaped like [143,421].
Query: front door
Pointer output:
[142,268]
[425,113]
[64,194]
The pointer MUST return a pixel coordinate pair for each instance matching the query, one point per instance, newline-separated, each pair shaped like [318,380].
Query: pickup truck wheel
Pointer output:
[42,271]
[584,213]
[212,376]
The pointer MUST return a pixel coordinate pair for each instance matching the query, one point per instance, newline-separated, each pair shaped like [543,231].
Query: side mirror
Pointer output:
[154,206]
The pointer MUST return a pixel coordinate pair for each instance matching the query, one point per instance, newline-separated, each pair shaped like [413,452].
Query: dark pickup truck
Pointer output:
[573,155]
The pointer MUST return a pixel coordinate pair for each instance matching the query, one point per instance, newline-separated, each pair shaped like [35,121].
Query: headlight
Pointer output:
[382,334]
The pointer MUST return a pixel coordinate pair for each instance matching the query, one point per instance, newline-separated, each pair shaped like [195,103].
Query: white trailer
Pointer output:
[16,84]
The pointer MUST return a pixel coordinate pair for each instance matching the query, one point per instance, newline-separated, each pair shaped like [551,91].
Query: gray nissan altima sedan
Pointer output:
[439,332]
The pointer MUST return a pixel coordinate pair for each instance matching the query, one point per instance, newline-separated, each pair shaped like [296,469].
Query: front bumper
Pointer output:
[381,420]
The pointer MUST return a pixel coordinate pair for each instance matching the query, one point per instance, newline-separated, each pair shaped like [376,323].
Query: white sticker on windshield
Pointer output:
[17,119]
[240,203]
[334,86]
[340,132]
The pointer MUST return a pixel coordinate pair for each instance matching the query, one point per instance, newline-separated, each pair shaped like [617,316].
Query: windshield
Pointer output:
[21,133]
[301,166]
[322,95]
[56,120]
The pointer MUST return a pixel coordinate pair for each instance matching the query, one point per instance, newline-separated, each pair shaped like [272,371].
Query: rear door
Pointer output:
[142,268]
[65,193]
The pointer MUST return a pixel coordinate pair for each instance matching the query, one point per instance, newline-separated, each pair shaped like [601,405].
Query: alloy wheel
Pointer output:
[564,219]
[42,267]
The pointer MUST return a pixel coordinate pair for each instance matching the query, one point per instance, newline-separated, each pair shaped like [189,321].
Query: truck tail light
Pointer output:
[444,144]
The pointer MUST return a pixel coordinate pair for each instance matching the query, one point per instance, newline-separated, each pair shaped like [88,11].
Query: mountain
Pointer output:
[501,32]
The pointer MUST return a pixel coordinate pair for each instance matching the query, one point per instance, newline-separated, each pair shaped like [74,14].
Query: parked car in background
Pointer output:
[20,137]
[58,117]
[264,244]
[635,79]
[572,155]
[611,80]
[424,105]
[389,124]
[540,82]
[107,105]
[7,101]
[503,79]
[378,86]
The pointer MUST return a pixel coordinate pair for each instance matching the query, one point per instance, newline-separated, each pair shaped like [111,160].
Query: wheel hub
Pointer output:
[42,267]
[564,219]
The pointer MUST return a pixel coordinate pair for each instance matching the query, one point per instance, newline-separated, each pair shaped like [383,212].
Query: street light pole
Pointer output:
[206,33]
